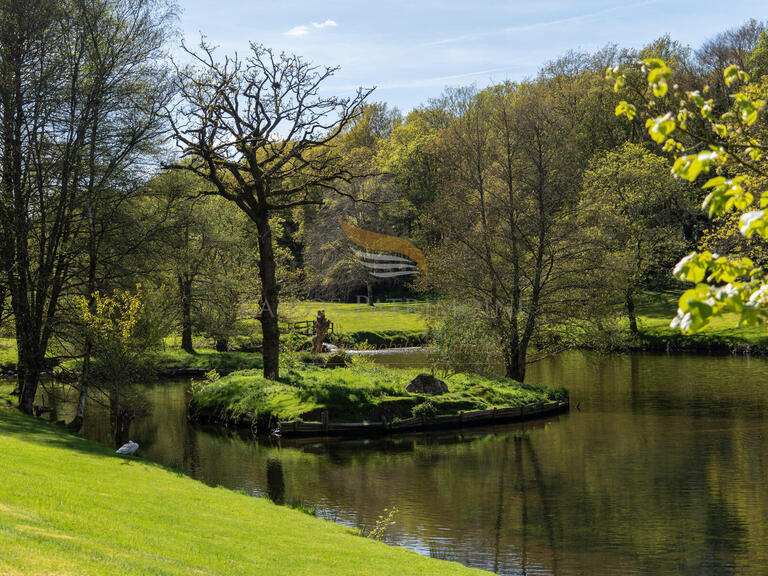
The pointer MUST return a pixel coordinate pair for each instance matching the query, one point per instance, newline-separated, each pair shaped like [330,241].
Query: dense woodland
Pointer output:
[143,196]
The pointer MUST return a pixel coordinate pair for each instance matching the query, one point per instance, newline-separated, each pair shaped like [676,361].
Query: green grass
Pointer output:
[8,355]
[171,359]
[385,324]
[656,310]
[363,392]
[71,507]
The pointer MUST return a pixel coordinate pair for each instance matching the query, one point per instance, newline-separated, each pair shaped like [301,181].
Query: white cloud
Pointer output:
[327,24]
[298,31]
[304,29]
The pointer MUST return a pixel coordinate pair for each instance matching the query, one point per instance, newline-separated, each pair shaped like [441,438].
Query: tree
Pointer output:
[260,134]
[731,145]
[631,203]
[758,60]
[371,202]
[505,214]
[121,330]
[62,89]
[203,253]
[731,47]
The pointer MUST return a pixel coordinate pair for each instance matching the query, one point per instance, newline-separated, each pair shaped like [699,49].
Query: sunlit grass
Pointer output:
[71,507]
[206,359]
[8,355]
[657,309]
[399,323]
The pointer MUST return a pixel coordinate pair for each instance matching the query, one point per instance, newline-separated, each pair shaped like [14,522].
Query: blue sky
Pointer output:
[412,50]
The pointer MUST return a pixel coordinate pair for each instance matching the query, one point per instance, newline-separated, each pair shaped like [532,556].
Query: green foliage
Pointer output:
[384,522]
[460,341]
[758,60]
[654,310]
[425,410]
[733,149]
[632,209]
[122,329]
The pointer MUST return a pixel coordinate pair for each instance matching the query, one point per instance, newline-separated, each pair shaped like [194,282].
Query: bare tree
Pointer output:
[260,133]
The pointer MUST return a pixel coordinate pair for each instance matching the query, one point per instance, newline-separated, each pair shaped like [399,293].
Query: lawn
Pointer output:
[71,507]
[355,393]
[399,323]
[656,310]
[8,355]
[171,360]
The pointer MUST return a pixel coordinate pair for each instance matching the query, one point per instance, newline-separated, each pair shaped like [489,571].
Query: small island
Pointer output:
[365,398]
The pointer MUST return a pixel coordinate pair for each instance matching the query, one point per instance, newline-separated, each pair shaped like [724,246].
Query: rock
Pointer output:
[426,384]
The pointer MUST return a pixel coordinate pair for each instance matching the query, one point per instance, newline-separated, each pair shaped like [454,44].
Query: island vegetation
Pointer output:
[355,393]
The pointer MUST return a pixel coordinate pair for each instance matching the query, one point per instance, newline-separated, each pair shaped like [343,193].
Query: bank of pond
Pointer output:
[70,507]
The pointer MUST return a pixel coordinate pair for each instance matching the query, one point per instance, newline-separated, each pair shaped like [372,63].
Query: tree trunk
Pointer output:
[185,291]
[630,303]
[514,368]
[269,297]
[77,422]
[515,361]
[120,418]
[29,378]
[369,289]
[30,364]
[222,344]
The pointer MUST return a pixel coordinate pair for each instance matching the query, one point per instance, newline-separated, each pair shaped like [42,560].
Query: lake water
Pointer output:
[662,469]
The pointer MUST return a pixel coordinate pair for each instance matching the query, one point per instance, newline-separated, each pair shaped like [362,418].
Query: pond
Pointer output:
[662,469]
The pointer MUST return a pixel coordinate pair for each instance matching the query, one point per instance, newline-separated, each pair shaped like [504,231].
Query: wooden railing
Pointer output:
[307,327]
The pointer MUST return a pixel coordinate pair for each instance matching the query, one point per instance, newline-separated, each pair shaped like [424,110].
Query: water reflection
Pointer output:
[663,471]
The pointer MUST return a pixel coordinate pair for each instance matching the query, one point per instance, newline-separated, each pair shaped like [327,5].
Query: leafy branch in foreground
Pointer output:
[725,142]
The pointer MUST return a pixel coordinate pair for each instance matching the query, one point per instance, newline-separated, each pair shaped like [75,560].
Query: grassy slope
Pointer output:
[352,394]
[70,507]
[656,310]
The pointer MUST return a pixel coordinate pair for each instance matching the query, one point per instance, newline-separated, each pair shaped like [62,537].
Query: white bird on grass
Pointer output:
[129,447]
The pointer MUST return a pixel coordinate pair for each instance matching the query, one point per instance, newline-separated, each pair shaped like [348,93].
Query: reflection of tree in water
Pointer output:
[191,450]
[49,398]
[275,481]
[724,539]
[500,507]
[547,512]
[523,446]
[523,489]
[126,403]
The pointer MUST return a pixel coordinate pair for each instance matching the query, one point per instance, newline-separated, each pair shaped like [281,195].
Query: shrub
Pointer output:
[425,410]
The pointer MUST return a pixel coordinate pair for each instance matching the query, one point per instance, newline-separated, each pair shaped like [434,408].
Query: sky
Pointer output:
[411,50]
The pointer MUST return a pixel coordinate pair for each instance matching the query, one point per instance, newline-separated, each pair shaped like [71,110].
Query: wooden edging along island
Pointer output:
[474,418]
